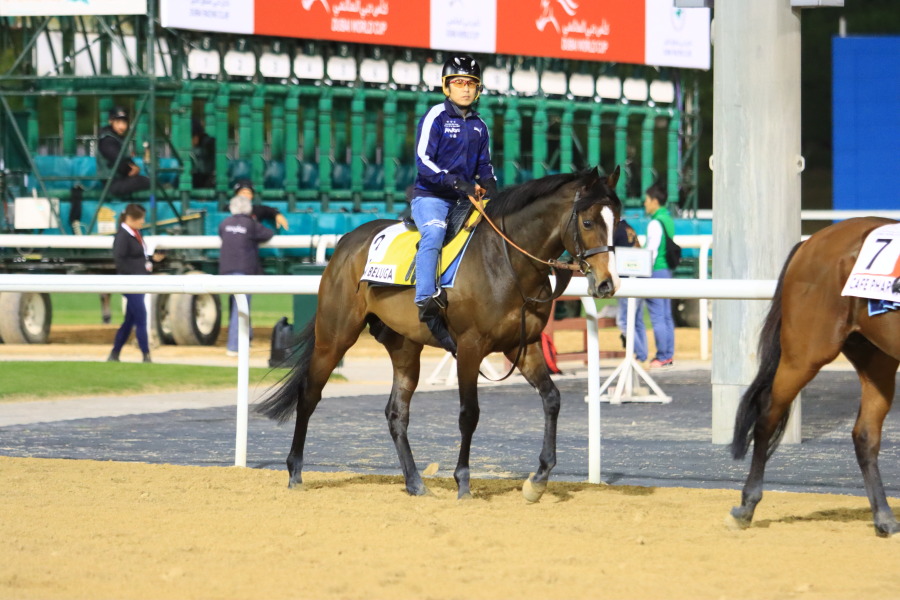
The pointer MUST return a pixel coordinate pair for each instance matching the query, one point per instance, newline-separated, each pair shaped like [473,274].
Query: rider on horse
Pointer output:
[453,160]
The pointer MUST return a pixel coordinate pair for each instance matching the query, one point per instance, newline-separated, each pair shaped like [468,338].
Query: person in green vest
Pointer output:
[660,226]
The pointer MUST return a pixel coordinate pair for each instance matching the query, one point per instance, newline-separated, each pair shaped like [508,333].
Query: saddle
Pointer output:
[456,220]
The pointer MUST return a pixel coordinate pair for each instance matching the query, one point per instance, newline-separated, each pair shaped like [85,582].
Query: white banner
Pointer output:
[59,8]
[465,25]
[676,37]
[229,16]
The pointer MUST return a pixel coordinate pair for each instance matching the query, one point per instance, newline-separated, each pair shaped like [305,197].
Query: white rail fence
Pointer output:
[309,284]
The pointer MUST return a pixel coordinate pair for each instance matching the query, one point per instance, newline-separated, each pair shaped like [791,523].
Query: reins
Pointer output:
[479,206]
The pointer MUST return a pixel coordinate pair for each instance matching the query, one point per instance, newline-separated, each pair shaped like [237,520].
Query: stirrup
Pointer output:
[430,314]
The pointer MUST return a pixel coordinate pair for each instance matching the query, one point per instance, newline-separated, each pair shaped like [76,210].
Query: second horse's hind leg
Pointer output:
[405,355]
[788,382]
[876,372]
[534,369]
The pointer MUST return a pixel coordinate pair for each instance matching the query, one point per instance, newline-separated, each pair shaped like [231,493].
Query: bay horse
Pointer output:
[809,323]
[499,303]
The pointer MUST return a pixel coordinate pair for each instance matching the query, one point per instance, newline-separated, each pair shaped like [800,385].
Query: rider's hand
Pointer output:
[281,222]
[134,170]
[490,188]
[466,188]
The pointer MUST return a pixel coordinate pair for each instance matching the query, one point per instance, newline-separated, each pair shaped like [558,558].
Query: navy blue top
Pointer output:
[241,236]
[451,147]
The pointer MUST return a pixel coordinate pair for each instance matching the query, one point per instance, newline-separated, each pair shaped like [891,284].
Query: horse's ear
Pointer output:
[612,179]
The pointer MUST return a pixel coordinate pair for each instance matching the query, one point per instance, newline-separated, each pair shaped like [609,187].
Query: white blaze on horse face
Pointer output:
[610,219]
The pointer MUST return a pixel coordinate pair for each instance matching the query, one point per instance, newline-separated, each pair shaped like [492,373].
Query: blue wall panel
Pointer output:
[866,122]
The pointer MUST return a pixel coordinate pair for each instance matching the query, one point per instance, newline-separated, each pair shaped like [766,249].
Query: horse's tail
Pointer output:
[757,400]
[284,395]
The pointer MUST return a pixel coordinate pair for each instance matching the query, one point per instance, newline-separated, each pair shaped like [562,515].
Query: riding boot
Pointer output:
[430,314]
[147,357]
[113,356]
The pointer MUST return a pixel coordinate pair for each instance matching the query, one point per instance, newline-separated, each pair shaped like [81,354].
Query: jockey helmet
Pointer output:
[461,65]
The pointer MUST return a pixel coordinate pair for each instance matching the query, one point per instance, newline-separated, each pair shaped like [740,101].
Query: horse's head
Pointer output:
[589,231]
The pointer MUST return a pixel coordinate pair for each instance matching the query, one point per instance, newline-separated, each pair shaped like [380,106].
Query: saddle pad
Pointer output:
[392,254]
[877,266]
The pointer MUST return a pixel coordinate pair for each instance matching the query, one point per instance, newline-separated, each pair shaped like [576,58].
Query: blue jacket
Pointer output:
[451,147]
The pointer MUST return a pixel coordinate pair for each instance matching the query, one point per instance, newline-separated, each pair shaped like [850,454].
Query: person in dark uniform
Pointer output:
[132,258]
[453,161]
[241,235]
[203,152]
[127,178]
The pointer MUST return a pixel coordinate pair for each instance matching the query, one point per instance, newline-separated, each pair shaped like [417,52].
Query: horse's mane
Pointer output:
[515,198]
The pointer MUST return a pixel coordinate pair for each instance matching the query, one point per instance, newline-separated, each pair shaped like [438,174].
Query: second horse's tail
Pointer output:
[756,401]
[282,400]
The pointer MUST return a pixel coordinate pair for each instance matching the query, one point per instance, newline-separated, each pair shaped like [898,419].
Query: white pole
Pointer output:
[704,303]
[756,178]
[243,380]
[593,395]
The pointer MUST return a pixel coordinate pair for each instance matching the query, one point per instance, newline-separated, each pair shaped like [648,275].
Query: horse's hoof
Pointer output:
[466,496]
[533,491]
[735,522]
[419,491]
[887,530]
[296,486]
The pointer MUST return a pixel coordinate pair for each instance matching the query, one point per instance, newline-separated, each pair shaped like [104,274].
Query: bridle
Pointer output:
[581,255]
[564,270]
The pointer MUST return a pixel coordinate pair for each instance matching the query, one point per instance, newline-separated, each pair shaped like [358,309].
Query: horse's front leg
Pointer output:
[534,368]
[467,371]
[405,356]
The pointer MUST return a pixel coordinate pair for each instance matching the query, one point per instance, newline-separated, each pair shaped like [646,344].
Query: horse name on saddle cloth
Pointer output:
[392,255]
[877,266]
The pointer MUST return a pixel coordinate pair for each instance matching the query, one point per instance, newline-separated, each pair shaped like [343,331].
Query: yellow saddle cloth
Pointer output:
[392,255]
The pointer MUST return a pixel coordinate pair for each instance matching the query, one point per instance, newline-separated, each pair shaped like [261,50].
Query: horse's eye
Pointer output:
[587,223]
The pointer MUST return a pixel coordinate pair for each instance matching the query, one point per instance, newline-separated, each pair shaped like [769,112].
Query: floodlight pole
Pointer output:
[756,166]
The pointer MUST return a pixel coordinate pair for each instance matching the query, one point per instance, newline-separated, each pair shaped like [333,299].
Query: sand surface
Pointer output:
[85,529]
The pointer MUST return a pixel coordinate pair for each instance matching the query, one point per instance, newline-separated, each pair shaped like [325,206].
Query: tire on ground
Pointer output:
[686,313]
[163,319]
[196,319]
[25,317]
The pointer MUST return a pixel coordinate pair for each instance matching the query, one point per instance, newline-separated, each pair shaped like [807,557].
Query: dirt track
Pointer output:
[78,529]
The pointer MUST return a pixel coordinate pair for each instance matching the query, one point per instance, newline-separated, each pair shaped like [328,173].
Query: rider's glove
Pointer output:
[490,188]
[466,188]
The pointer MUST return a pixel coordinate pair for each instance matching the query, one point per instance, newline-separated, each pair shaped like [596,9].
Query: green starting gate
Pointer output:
[321,128]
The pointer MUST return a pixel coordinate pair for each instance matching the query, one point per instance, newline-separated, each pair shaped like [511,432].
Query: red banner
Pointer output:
[600,30]
[391,22]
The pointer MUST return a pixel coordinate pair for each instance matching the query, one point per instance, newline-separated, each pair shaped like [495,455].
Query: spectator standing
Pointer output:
[661,225]
[626,237]
[241,235]
[126,179]
[132,258]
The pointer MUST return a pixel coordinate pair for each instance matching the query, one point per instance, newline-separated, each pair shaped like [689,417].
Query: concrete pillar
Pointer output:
[756,178]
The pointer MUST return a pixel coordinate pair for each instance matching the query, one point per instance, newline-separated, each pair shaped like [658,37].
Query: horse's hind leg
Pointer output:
[332,340]
[405,355]
[534,368]
[789,380]
[876,372]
